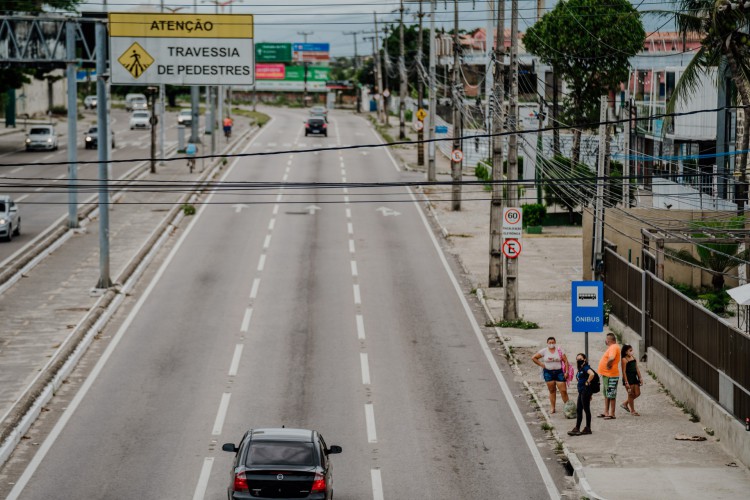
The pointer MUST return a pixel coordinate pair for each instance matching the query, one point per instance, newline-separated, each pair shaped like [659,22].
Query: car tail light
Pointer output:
[319,483]
[240,481]
[325,126]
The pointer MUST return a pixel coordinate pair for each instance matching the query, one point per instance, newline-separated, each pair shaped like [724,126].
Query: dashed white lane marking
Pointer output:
[246,319]
[21,198]
[267,241]
[17,169]
[289,162]
[365,368]
[354,268]
[357,297]
[343,172]
[271,223]
[278,197]
[351,246]
[286,176]
[348,213]
[360,327]
[350,227]
[346,190]
[343,179]
[372,436]
[346,199]
[275,209]
[39,189]
[377,485]
[47,157]
[262,262]
[200,488]
[254,290]
[234,367]
[221,415]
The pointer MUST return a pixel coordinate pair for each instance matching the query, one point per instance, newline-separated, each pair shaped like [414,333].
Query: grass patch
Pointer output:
[547,427]
[259,118]
[517,323]
[188,209]
[694,417]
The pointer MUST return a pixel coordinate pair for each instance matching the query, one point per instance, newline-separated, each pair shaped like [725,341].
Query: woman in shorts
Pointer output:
[551,359]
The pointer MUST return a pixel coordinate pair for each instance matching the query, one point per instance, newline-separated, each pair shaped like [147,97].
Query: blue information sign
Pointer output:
[311,47]
[441,129]
[587,301]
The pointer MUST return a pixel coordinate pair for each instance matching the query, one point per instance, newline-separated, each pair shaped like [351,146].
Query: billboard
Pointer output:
[273,52]
[311,52]
[270,71]
[294,79]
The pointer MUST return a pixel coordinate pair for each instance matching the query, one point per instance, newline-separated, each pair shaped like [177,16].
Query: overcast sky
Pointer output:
[327,20]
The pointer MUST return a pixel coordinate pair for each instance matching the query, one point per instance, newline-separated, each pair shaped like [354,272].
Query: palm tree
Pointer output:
[723,25]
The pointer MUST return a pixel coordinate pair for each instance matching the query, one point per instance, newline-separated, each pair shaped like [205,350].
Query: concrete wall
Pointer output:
[624,231]
[34,98]
[731,433]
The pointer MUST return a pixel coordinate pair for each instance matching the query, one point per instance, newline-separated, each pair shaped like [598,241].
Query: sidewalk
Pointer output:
[626,458]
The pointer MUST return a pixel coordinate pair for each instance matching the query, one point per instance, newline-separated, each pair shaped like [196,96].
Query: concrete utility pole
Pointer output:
[510,304]
[420,87]
[378,73]
[304,34]
[402,74]
[541,88]
[70,47]
[457,104]
[497,126]
[386,63]
[354,37]
[488,76]
[102,74]
[596,264]
[305,64]
[628,155]
[431,171]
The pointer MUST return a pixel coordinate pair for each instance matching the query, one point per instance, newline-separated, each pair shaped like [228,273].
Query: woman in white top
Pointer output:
[551,359]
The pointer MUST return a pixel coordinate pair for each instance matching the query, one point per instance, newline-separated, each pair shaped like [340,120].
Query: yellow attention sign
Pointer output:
[421,114]
[181,25]
[136,60]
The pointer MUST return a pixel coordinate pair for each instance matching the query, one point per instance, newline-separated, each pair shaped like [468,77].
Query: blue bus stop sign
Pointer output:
[587,301]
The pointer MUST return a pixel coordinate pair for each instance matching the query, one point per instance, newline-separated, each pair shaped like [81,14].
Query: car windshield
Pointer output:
[2,206]
[186,112]
[40,131]
[286,453]
[92,130]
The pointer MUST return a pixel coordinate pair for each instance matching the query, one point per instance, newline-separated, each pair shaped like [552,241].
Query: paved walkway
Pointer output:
[626,458]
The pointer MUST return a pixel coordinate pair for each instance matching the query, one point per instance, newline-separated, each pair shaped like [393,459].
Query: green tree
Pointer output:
[588,43]
[716,258]
[723,25]
[567,184]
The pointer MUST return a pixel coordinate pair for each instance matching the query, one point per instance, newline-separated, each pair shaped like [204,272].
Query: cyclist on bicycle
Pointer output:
[228,127]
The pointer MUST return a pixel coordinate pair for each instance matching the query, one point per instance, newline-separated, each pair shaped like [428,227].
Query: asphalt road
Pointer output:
[40,189]
[269,312]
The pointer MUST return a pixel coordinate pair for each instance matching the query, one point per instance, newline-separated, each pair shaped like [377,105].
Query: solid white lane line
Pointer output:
[348,213]
[254,290]
[262,262]
[236,360]
[267,241]
[372,436]
[350,227]
[354,268]
[351,246]
[357,298]
[360,327]
[221,415]
[365,368]
[246,319]
[275,209]
[200,488]
[377,485]
[271,224]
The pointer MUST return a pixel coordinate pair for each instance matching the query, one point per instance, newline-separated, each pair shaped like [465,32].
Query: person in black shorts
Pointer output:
[631,379]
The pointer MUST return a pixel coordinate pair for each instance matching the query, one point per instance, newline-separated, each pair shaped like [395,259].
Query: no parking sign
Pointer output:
[511,248]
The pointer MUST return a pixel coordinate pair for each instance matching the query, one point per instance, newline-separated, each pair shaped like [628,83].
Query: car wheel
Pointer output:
[17,232]
[9,238]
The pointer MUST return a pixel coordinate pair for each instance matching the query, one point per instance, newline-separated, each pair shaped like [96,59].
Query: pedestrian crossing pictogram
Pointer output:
[136,60]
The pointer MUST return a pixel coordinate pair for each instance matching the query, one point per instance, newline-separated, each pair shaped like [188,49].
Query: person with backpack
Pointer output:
[588,385]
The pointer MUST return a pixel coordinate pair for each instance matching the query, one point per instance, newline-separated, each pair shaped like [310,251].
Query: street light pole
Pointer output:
[304,34]
[456,164]
[402,74]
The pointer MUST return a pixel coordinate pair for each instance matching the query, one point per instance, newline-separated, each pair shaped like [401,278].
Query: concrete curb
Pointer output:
[575,463]
[27,408]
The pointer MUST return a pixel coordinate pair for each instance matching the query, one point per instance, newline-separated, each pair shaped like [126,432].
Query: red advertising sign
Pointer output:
[269,71]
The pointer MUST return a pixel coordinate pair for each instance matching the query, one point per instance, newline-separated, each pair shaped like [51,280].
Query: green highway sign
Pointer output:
[273,52]
[314,73]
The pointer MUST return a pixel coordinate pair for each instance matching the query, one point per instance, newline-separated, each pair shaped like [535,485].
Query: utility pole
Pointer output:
[431,171]
[488,76]
[378,73]
[386,63]
[540,117]
[420,88]
[456,165]
[70,47]
[304,34]
[627,163]
[195,102]
[354,36]
[497,100]
[102,74]
[402,74]
[510,304]
[596,254]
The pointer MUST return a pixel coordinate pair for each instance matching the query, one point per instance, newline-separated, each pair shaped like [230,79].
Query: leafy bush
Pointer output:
[716,302]
[408,114]
[533,214]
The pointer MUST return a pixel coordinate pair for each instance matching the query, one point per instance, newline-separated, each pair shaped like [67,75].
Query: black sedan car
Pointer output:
[281,463]
[91,138]
[316,126]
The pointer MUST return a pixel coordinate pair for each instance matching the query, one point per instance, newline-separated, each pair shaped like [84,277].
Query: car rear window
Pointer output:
[38,131]
[316,121]
[282,453]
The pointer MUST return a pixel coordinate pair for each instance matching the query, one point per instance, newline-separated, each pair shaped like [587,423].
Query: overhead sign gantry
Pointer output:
[181,49]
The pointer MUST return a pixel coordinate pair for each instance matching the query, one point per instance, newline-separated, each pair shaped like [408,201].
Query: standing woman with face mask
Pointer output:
[584,376]
[552,359]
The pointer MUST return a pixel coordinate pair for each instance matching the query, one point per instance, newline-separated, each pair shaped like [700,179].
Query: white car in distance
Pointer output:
[140,119]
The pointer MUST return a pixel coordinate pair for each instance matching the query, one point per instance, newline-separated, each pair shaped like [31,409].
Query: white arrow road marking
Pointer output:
[312,209]
[238,207]
[387,212]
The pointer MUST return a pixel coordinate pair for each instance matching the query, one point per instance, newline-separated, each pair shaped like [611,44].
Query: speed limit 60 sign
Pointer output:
[512,222]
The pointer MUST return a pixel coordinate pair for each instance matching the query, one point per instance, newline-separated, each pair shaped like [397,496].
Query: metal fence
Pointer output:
[710,352]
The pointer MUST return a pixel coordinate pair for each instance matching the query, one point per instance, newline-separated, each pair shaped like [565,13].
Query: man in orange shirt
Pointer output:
[609,369]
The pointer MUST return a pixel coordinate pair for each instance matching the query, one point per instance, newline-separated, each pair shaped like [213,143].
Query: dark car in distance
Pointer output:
[316,126]
[281,463]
